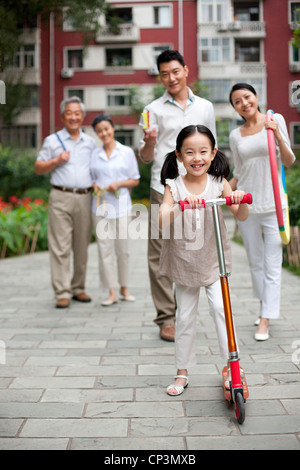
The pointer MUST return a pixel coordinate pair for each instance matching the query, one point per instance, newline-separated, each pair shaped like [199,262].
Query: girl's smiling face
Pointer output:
[196,153]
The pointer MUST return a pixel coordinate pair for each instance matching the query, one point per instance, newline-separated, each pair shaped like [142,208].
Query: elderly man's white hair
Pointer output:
[72,99]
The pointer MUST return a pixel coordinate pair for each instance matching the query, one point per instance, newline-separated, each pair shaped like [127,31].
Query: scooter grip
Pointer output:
[185,204]
[247,199]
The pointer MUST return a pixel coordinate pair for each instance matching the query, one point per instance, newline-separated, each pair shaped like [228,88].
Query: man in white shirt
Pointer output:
[177,108]
[66,154]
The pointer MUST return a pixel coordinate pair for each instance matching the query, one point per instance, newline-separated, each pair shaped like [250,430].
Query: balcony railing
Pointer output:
[243,28]
[126,32]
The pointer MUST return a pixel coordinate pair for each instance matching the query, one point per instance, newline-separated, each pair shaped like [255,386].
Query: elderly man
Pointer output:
[66,154]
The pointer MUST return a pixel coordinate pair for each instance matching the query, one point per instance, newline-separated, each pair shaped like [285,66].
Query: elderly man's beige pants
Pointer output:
[69,229]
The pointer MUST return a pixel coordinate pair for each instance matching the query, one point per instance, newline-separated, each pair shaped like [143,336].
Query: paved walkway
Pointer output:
[94,378]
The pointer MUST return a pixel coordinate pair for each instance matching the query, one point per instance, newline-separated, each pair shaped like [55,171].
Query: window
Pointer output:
[294,12]
[116,97]
[295,134]
[124,14]
[214,11]
[75,58]
[162,16]
[246,11]
[125,137]
[79,92]
[121,57]
[296,54]
[25,57]
[32,96]
[218,90]
[215,50]
[247,51]
[20,136]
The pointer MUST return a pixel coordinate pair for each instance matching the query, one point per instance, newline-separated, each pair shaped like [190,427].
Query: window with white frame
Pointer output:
[75,58]
[247,50]
[294,55]
[117,97]
[218,89]
[294,12]
[214,11]
[25,57]
[215,49]
[162,15]
[118,57]
[79,92]
[125,136]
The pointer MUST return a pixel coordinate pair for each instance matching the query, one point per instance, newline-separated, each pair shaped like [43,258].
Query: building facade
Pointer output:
[223,42]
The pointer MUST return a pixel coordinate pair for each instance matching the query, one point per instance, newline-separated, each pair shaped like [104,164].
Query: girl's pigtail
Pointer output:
[219,167]
[169,168]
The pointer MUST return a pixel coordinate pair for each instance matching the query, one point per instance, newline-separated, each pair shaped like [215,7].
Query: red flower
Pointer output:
[13,200]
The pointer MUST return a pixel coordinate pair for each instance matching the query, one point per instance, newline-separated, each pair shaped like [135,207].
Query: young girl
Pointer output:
[193,262]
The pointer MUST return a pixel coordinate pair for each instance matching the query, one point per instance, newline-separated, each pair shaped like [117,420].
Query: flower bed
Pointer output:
[23,226]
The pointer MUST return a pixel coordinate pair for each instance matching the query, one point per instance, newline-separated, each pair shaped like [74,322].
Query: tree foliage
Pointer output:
[15,15]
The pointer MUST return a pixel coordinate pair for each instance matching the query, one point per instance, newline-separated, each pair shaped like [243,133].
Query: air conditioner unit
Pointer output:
[235,26]
[222,27]
[294,67]
[153,70]
[294,25]
[67,73]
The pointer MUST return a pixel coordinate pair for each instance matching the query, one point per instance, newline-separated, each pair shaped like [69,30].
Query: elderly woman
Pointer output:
[114,172]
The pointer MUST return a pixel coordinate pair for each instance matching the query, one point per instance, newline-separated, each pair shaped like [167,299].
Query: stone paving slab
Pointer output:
[94,378]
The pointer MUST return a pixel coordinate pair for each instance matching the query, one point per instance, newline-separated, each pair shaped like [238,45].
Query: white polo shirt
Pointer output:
[75,173]
[170,118]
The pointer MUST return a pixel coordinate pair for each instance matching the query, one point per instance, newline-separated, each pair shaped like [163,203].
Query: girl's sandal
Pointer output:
[179,388]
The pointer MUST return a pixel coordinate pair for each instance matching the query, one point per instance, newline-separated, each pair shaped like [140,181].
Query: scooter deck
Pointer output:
[227,392]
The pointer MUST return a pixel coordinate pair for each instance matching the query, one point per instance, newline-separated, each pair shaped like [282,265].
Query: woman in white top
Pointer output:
[251,172]
[114,172]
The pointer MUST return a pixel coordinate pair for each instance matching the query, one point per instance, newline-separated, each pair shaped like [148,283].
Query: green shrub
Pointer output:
[17,172]
[292,175]
[142,191]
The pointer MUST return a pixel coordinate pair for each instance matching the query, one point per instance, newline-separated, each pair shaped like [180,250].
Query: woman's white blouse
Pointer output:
[122,165]
[252,166]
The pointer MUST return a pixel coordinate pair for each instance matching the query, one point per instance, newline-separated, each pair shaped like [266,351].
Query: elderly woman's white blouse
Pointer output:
[122,165]
[252,166]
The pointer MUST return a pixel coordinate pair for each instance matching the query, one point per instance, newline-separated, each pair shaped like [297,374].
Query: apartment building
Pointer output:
[223,42]
[122,58]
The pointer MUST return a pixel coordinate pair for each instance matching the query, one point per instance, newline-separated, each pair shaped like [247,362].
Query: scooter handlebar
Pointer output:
[247,199]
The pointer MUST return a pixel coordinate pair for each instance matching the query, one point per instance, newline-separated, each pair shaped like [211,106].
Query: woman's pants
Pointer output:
[264,250]
[186,317]
[113,252]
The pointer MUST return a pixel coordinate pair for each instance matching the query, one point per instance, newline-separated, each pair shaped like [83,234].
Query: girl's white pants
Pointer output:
[264,250]
[187,299]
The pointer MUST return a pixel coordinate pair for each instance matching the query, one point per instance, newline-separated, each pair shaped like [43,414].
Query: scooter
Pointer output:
[235,389]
